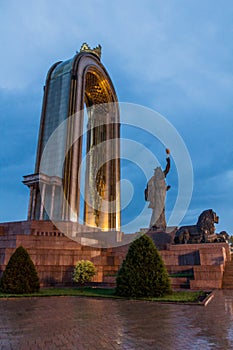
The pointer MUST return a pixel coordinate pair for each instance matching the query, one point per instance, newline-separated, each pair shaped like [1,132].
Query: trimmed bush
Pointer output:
[20,275]
[84,271]
[143,273]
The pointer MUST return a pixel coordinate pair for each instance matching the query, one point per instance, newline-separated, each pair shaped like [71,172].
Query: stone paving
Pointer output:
[99,324]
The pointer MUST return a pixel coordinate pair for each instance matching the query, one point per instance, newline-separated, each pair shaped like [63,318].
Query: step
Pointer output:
[228,280]
[180,282]
[226,275]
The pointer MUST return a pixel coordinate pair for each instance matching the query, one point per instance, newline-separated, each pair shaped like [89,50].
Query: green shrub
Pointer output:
[143,273]
[20,275]
[84,270]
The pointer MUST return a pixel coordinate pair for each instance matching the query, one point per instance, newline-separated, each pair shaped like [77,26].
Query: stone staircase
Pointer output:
[227,282]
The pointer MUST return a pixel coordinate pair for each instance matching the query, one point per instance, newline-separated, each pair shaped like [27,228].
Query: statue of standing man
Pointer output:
[155,193]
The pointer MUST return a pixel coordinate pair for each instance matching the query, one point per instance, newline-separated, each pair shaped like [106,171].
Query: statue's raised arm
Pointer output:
[168,165]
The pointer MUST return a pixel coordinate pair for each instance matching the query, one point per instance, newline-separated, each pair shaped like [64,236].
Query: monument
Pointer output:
[55,196]
[72,85]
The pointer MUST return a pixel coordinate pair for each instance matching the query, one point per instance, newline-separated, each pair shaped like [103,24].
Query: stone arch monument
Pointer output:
[72,85]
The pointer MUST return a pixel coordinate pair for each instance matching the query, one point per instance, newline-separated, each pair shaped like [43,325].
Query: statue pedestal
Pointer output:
[162,239]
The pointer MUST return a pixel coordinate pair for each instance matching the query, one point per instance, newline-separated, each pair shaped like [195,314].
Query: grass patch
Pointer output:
[177,296]
[50,292]
[182,297]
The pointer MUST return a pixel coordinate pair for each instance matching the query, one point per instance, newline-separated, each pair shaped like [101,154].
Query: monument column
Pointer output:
[52,200]
[42,201]
[70,86]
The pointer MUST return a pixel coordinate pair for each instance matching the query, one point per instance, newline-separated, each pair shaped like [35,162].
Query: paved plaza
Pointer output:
[98,324]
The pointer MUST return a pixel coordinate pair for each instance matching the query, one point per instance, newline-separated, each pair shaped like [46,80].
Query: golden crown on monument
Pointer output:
[96,50]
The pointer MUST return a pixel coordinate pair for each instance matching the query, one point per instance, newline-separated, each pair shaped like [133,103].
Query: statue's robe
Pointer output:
[156,195]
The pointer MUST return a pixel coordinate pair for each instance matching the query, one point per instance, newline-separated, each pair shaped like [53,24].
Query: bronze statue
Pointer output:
[155,193]
[202,232]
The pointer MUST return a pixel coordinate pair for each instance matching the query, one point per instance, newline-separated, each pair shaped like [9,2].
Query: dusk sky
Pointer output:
[174,57]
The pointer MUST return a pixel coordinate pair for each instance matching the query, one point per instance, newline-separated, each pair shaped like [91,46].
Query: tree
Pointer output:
[143,273]
[84,271]
[20,275]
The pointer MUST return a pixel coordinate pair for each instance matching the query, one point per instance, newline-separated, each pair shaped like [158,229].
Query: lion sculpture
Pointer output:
[202,232]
